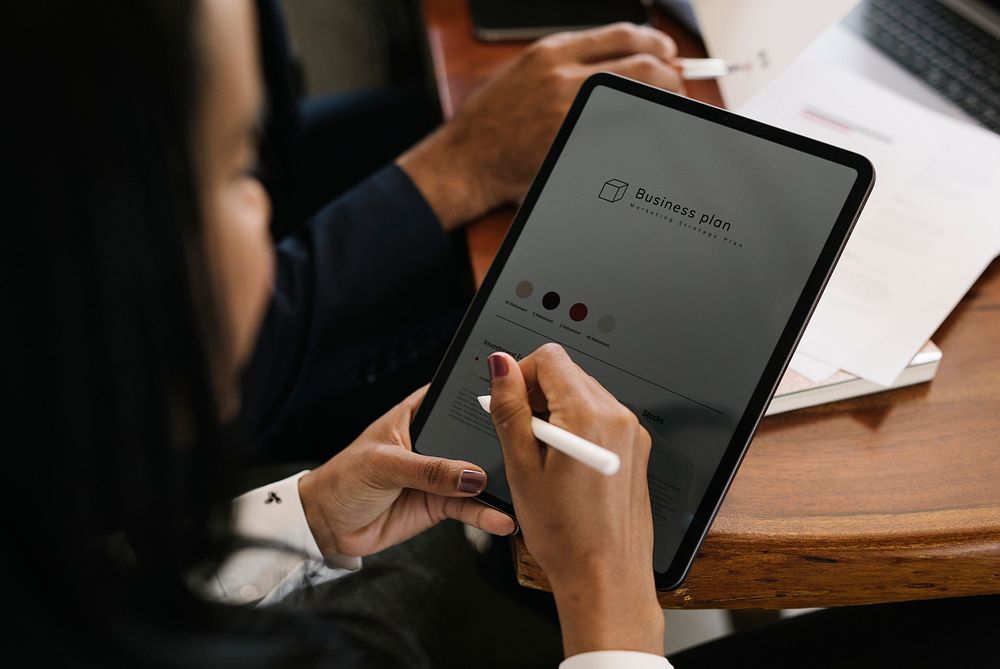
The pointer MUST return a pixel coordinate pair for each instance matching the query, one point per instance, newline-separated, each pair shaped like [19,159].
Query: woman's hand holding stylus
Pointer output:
[592,534]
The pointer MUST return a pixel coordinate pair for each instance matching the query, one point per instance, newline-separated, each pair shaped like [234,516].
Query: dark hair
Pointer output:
[116,458]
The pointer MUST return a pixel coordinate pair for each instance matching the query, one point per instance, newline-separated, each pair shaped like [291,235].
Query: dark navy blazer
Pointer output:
[352,278]
[373,259]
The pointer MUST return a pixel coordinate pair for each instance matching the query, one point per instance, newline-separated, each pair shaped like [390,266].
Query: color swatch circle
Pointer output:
[606,324]
[551,300]
[524,289]
[578,311]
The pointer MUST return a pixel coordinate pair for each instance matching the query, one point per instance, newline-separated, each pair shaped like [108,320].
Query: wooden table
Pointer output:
[889,497]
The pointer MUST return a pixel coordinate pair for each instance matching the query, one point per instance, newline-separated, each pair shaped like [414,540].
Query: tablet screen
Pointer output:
[665,252]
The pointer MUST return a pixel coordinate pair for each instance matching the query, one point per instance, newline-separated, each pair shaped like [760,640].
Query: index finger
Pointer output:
[550,373]
[612,41]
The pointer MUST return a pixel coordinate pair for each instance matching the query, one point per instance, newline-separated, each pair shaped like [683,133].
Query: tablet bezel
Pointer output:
[805,304]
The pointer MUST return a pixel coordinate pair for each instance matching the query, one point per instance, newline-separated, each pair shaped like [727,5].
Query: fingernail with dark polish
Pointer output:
[471,481]
[497,365]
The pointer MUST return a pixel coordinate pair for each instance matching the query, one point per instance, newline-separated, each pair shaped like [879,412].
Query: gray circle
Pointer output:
[524,289]
[606,323]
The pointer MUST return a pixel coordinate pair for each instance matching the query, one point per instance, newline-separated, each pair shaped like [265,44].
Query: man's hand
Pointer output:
[377,492]
[487,155]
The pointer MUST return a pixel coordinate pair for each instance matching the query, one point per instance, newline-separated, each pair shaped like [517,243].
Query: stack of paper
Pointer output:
[931,227]
[797,391]
[763,37]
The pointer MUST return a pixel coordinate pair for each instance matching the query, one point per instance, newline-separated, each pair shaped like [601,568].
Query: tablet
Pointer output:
[676,251]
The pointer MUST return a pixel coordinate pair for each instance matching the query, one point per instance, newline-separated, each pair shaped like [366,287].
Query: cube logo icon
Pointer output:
[613,190]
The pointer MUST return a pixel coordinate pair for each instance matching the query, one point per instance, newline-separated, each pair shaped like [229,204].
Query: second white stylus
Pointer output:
[583,451]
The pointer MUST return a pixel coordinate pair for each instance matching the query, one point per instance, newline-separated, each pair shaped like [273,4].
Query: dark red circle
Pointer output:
[578,311]
[550,300]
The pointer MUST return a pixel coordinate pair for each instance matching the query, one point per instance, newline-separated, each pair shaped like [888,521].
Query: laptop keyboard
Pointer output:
[956,58]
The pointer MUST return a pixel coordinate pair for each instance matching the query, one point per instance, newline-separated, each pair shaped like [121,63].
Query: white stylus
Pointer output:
[566,442]
[705,68]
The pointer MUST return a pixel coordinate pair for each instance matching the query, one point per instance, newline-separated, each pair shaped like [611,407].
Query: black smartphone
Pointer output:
[503,20]
[676,251]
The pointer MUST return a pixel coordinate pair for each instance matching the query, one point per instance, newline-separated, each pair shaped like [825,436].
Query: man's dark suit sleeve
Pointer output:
[372,259]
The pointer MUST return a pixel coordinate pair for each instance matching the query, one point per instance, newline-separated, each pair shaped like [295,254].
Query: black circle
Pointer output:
[550,300]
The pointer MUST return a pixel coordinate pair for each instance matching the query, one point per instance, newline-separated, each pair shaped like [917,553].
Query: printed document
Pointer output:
[931,227]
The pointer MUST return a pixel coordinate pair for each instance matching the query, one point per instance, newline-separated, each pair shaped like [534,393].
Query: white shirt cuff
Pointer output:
[273,515]
[615,659]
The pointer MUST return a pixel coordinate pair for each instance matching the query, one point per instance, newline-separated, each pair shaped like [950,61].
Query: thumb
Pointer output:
[511,413]
[476,514]
[402,468]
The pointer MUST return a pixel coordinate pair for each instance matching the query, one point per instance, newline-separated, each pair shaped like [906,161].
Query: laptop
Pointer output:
[943,54]
[951,47]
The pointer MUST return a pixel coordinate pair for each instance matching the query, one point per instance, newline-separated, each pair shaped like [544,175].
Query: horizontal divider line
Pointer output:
[605,362]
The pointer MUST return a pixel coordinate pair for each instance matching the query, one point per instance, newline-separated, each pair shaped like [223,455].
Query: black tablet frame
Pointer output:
[787,342]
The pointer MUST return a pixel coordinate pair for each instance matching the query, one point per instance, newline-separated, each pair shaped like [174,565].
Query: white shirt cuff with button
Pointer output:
[273,515]
[615,659]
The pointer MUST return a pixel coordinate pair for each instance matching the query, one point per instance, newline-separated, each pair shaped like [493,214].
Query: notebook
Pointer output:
[797,392]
